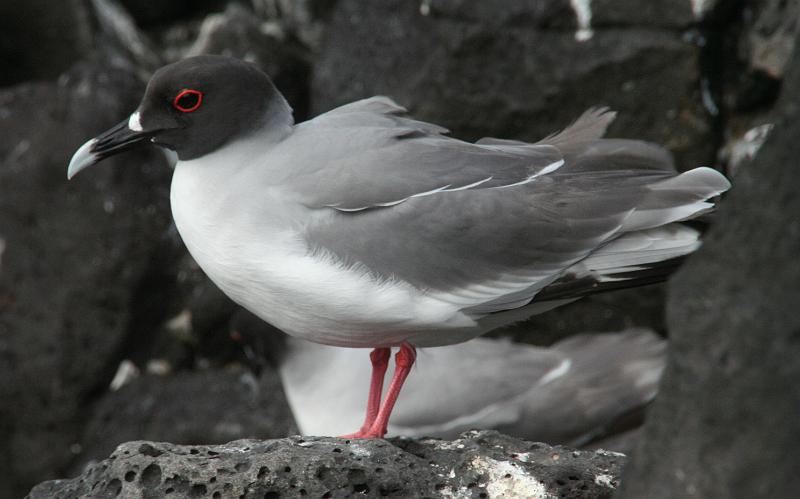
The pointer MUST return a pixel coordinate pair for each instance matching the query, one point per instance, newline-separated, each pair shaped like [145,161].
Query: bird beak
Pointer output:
[121,137]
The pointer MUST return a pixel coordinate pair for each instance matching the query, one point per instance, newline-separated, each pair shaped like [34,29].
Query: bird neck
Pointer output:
[278,120]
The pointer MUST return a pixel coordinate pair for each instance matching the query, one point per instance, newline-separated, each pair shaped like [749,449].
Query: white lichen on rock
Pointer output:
[360,451]
[605,480]
[744,148]
[604,452]
[508,480]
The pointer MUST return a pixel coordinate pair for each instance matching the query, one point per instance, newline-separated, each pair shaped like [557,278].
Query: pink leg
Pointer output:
[403,360]
[380,362]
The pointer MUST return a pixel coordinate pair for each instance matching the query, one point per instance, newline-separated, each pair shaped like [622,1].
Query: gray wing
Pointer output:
[376,157]
[569,393]
[469,385]
[611,377]
[484,226]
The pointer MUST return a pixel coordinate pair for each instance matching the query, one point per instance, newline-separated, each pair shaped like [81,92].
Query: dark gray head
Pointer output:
[193,107]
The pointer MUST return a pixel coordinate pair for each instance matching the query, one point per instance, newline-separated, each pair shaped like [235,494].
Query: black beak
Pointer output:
[115,140]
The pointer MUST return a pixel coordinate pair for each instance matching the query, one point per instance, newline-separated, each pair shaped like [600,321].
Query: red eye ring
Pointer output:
[176,103]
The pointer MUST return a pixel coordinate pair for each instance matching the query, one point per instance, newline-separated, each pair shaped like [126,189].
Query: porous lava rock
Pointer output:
[479,464]
[185,407]
[79,263]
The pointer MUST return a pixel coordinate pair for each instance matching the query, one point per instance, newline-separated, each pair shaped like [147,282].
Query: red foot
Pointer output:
[361,434]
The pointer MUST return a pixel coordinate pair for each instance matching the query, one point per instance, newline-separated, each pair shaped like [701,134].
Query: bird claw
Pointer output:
[363,434]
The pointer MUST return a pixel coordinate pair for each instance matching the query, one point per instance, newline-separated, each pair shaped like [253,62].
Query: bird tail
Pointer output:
[678,198]
[590,126]
[652,245]
[633,259]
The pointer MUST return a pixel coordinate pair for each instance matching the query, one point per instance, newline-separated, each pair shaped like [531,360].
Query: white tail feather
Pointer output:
[636,249]
[703,181]
[648,219]
[678,198]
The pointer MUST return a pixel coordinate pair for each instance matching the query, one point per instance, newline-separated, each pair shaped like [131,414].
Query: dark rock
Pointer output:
[42,38]
[305,19]
[205,406]
[159,299]
[262,343]
[547,14]
[480,464]
[201,331]
[149,14]
[759,45]
[624,443]
[769,37]
[480,77]
[725,423]
[197,331]
[603,312]
[211,312]
[238,33]
[667,14]
[75,256]
[120,39]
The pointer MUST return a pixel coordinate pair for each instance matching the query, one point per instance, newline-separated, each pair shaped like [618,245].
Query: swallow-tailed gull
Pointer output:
[366,228]
[585,388]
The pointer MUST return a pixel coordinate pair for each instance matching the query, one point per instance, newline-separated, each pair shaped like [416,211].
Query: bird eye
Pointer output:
[188,100]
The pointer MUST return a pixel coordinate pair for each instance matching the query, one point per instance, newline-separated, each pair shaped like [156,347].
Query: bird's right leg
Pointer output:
[380,363]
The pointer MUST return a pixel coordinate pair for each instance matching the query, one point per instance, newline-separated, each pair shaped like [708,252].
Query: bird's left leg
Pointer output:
[380,363]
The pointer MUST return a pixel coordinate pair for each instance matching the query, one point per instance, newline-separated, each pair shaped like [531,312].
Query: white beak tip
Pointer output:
[82,158]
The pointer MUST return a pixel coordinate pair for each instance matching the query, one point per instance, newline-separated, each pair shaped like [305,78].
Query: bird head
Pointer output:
[193,107]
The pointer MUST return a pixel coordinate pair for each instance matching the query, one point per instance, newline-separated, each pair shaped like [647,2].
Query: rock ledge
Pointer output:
[479,464]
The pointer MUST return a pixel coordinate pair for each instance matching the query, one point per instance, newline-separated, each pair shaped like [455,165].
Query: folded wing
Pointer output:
[483,226]
[375,157]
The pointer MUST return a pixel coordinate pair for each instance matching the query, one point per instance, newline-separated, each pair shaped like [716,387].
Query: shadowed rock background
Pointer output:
[110,333]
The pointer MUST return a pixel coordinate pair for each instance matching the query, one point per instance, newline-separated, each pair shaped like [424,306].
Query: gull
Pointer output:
[583,388]
[366,228]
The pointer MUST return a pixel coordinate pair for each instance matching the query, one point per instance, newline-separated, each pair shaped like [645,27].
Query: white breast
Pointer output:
[249,241]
